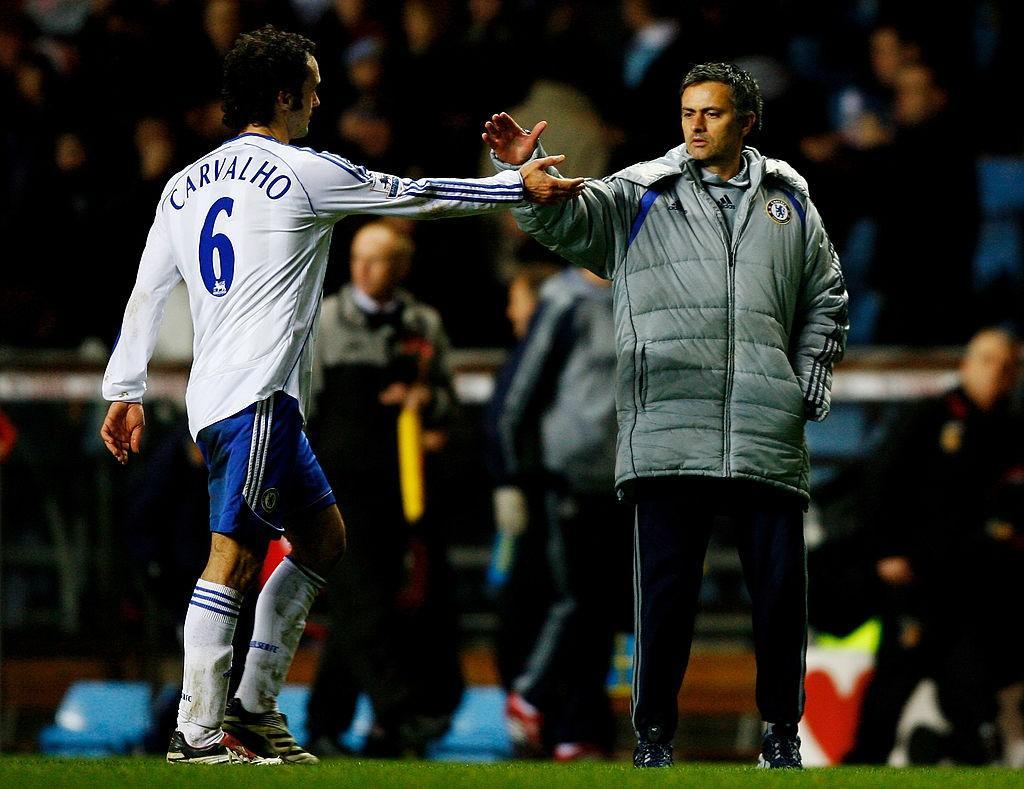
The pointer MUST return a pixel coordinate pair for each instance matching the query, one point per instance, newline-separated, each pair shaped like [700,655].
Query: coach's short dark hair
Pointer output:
[258,67]
[746,93]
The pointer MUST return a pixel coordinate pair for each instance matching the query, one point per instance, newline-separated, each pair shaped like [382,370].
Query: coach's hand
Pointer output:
[122,429]
[510,143]
[541,187]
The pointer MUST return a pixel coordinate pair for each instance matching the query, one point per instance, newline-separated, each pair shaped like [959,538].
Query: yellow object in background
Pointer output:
[865,638]
[410,464]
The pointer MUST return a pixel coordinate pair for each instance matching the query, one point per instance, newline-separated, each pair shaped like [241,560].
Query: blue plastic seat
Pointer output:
[478,732]
[998,255]
[99,718]
[1001,185]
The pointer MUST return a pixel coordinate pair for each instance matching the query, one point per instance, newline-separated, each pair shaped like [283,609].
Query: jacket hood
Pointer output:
[676,162]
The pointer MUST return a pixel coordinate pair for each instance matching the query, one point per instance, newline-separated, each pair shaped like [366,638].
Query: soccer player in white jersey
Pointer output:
[248,228]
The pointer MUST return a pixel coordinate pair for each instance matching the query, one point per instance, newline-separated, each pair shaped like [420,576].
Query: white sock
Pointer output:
[280,619]
[209,628]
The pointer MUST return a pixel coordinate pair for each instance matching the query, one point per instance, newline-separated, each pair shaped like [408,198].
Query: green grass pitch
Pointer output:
[32,771]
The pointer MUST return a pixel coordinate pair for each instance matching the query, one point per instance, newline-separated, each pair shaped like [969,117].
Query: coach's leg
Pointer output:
[209,629]
[283,604]
[670,542]
[770,539]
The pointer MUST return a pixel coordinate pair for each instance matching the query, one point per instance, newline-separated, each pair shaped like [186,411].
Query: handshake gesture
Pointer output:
[513,145]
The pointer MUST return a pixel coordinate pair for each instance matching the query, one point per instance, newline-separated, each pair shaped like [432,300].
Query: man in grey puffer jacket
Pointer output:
[730,311]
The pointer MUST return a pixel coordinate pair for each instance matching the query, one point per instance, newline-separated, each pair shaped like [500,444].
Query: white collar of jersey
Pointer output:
[370,305]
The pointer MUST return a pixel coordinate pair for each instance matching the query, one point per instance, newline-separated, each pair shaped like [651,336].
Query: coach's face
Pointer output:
[712,128]
[298,118]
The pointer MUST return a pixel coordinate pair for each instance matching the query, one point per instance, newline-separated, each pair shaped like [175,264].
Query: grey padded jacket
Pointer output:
[724,345]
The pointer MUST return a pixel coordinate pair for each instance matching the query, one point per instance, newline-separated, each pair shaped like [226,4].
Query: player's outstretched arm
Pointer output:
[122,429]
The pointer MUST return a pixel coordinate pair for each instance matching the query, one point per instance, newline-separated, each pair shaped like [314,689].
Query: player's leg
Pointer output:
[294,484]
[770,540]
[283,605]
[209,629]
[231,449]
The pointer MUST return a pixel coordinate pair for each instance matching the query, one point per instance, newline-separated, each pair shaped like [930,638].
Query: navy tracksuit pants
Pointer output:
[674,518]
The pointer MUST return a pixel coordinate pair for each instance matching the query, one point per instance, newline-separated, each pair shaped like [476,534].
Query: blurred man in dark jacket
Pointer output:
[379,351]
[555,429]
[948,541]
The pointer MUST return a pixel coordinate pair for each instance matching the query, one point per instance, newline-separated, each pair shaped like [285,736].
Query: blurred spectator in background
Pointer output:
[364,124]
[928,224]
[384,62]
[379,351]
[864,108]
[555,425]
[653,61]
[515,574]
[948,540]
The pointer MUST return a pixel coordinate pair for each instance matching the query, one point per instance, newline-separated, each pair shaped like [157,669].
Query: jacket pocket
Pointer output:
[643,376]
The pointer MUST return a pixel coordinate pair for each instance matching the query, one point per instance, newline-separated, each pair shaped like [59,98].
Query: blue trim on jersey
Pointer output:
[454,186]
[453,183]
[362,176]
[796,205]
[492,194]
[461,199]
[515,193]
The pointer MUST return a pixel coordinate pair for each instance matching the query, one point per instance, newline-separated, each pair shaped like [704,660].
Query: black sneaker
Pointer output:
[780,749]
[652,754]
[266,733]
[227,750]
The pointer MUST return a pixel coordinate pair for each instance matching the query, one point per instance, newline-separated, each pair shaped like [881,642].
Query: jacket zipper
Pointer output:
[730,256]
[738,228]
[731,366]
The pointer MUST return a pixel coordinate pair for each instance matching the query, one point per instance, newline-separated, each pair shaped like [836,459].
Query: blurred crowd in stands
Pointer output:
[884,106]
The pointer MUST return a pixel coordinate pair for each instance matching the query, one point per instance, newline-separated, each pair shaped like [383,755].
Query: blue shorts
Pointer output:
[262,470]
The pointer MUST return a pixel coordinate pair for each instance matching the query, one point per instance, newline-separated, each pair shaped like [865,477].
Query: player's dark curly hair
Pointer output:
[258,67]
[746,93]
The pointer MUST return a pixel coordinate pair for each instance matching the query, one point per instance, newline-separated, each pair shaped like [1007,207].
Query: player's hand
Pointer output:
[540,187]
[122,429]
[510,143]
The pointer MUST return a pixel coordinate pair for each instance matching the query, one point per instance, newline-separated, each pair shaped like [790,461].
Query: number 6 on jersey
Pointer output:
[218,271]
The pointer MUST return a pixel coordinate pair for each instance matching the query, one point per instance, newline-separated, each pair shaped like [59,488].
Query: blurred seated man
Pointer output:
[379,351]
[948,542]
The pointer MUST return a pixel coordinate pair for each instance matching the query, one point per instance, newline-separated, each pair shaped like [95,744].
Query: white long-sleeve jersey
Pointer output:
[248,227]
